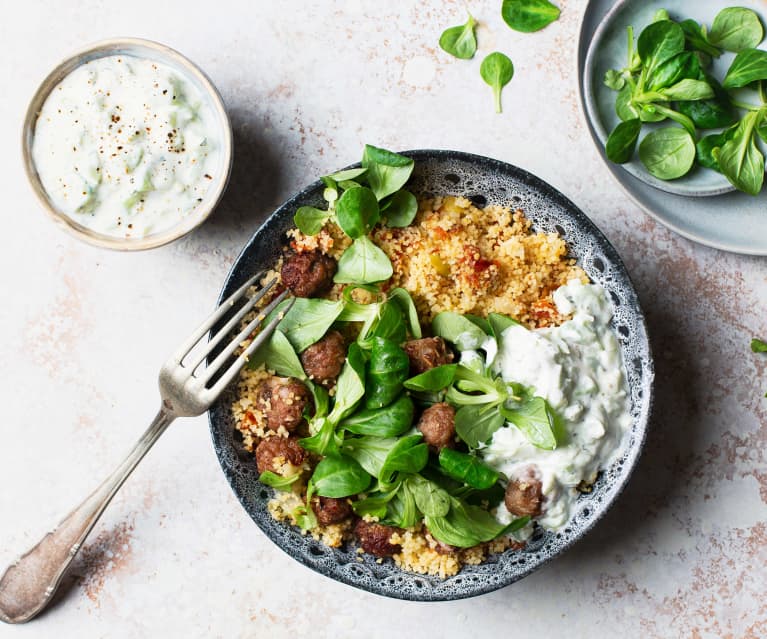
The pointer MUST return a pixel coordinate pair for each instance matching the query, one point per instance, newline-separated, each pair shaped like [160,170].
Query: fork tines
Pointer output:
[216,369]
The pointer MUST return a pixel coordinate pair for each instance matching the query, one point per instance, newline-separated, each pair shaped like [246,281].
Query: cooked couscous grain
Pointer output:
[457,257]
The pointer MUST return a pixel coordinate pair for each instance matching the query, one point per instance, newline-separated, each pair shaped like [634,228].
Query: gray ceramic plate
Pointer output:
[484,181]
[734,221]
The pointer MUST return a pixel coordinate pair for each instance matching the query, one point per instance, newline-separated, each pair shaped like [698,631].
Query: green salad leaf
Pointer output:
[459,330]
[347,175]
[497,70]
[623,141]
[528,15]
[400,209]
[713,113]
[350,387]
[761,128]
[277,481]
[402,510]
[279,356]
[388,324]
[468,469]
[475,424]
[658,42]
[357,211]
[536,419]
[324,441]
[310,220]
[759,346]
[739,159]
[369,451]
[435,379]
[308,320]
[408,455]
[375,505]
[499,323]
[614,79]
[465,526]
[460,41]
[750,65]
[431,500]
[304,514]
[387,172]
[704,149]
[688,89]
[696,37]
[390,421]
[402,298]
[481,322]
[679,67]
[668,153]
[363,263]
[624,106]
[339,476]
[735,29]
[386,373]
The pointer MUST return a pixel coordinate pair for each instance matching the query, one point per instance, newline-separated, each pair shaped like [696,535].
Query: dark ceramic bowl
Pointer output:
[483,181]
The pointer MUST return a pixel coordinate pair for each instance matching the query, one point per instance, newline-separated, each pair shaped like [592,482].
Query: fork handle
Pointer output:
[28,584]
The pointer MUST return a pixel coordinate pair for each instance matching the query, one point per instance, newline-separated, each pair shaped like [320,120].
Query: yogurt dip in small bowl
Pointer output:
[127,144]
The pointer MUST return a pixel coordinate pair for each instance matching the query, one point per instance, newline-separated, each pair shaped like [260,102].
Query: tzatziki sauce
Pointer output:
[126,146]
[577,367]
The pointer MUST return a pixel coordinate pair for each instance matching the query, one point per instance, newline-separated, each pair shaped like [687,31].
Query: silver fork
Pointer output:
[28,584]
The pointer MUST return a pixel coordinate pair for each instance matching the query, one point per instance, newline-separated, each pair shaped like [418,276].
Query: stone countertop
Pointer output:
[683,553]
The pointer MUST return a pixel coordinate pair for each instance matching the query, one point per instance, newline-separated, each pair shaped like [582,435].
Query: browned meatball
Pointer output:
[524,495]
[323,360]
[330,510]
[440,546]
[273,452]
[308,274]
[427,353]
[437,424]
[374,538]
[282,401]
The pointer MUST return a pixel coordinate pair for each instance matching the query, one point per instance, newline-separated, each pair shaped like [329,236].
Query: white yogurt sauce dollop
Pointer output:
[126,146]
[577,368]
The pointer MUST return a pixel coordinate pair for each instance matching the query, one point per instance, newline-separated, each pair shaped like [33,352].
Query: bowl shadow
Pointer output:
[255,183]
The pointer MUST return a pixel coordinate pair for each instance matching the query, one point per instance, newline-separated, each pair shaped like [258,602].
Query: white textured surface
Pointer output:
[684,551]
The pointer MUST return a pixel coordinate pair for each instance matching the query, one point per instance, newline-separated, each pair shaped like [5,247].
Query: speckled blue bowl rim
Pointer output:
[491,181]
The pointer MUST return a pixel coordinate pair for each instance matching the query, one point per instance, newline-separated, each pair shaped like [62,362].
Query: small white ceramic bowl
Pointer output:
[152,51]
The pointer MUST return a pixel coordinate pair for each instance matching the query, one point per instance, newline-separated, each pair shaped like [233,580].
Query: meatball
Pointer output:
[323,360]
[437,424]
[374,538]
[273,452]
[308,274]
[427,353]
[524,495]
[330,510]
[282,401]
[440,546]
